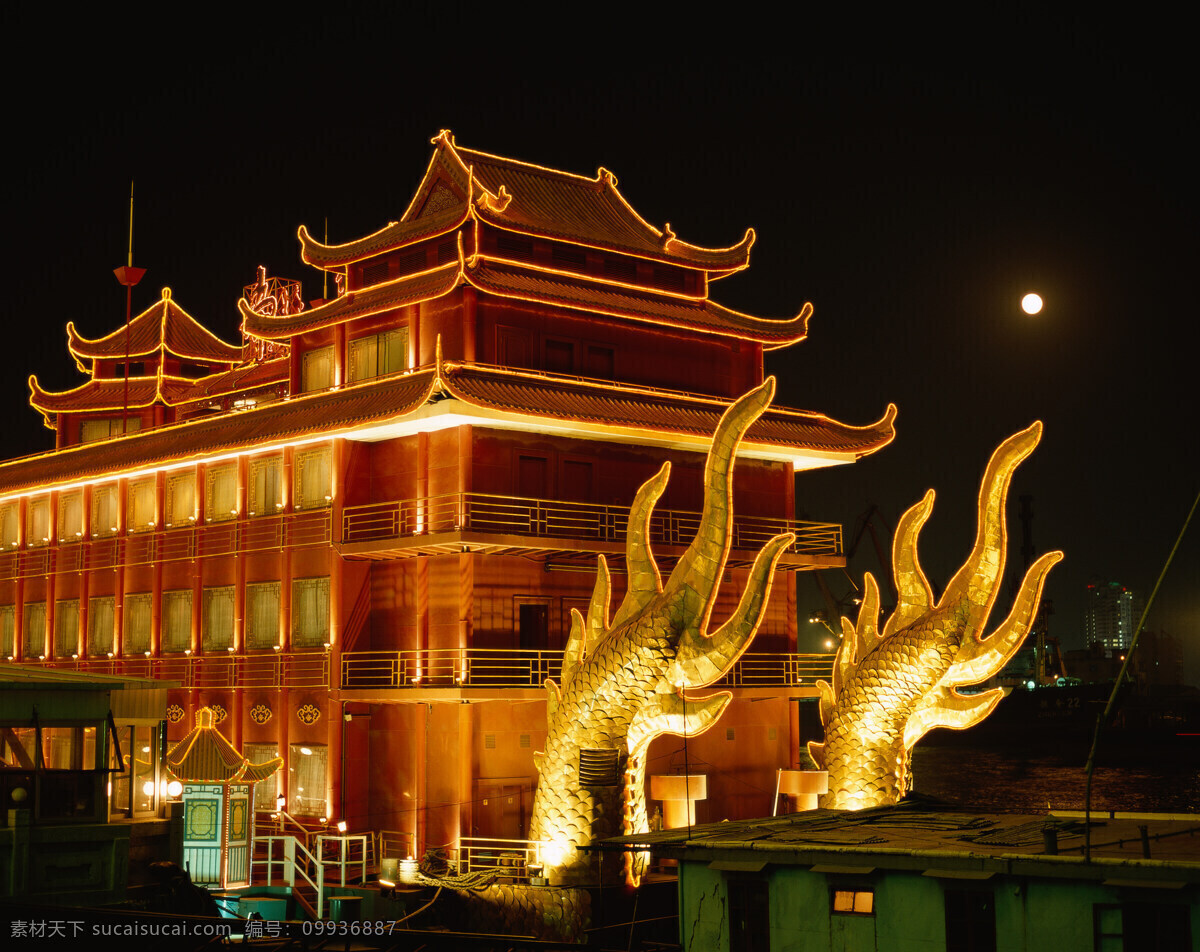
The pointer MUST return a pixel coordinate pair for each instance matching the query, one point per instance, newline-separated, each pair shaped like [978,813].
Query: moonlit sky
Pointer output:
[912,181]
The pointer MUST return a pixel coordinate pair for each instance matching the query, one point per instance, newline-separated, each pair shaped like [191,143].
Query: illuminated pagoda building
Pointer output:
[361,532]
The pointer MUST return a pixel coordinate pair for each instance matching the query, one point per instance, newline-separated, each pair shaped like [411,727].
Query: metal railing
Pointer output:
[237,537]
[292,669]
[510,859]
[529,668]
[543,518]
[394,844]
[293,859]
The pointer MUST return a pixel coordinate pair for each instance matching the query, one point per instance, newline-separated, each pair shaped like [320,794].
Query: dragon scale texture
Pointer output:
[623,680]
[891,687]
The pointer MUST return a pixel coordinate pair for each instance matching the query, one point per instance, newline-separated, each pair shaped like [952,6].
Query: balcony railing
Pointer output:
[542,518]
[529,668]
[240,537]
[293,669]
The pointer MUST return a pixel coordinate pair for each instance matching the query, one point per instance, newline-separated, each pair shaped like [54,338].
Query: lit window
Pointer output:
[35,630]
[310,612]
[139,505]
[104,511]
[312,478]
[262,615]
[181,499]
[66,628]
[220,493]
[316,370]
[376,355]
[266,482]
[37,522]
[177,620]
[70,516]
[265,791]
[859,902]
[92,430]
[7,632]
[136,638]
[10,524]
[306,780]
[101,625]
[218,618]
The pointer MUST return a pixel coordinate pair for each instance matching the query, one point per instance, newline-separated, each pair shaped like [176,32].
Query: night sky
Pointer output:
[911,181]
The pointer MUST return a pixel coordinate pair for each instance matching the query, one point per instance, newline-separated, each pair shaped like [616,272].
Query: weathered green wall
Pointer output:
[1031,915]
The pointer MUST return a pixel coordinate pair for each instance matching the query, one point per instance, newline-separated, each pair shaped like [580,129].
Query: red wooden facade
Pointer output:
[360,533]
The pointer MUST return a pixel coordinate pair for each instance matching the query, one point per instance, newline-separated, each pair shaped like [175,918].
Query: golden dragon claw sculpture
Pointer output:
[892,686]
[623,680]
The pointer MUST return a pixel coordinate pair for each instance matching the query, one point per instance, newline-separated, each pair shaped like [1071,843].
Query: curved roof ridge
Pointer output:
[170,329]
[406,289]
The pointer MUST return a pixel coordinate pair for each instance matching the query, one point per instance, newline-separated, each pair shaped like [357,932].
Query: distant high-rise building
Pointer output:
[1112,612]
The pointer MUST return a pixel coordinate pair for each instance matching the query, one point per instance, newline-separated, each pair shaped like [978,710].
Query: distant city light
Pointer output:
[1031,303]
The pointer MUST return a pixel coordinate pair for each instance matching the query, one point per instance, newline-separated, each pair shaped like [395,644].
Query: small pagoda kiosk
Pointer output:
[218,794]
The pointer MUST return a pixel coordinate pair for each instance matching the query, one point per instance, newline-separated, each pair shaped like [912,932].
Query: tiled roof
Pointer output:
[111,394]
[602,403]
[373,300]
[395,234]
[533,200]
[539,397]
[240,379]
[590,211]
[296,418]
[205,755]
[581,294]
[162,326]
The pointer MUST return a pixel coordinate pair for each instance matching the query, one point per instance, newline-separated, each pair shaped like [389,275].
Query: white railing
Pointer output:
[294,859]
[346,845]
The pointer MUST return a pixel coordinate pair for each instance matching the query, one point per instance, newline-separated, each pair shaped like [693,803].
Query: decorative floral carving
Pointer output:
[175,713]
[219,713]
[260,713]
[309,714]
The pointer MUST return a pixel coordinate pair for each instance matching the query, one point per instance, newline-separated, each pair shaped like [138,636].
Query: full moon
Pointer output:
[1031,303]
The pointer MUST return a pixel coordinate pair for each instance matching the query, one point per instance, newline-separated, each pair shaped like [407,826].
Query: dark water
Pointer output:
[1166,781]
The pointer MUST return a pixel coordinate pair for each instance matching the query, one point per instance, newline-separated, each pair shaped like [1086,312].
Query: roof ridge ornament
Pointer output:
[605,177]
[668,234]
[495,203]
